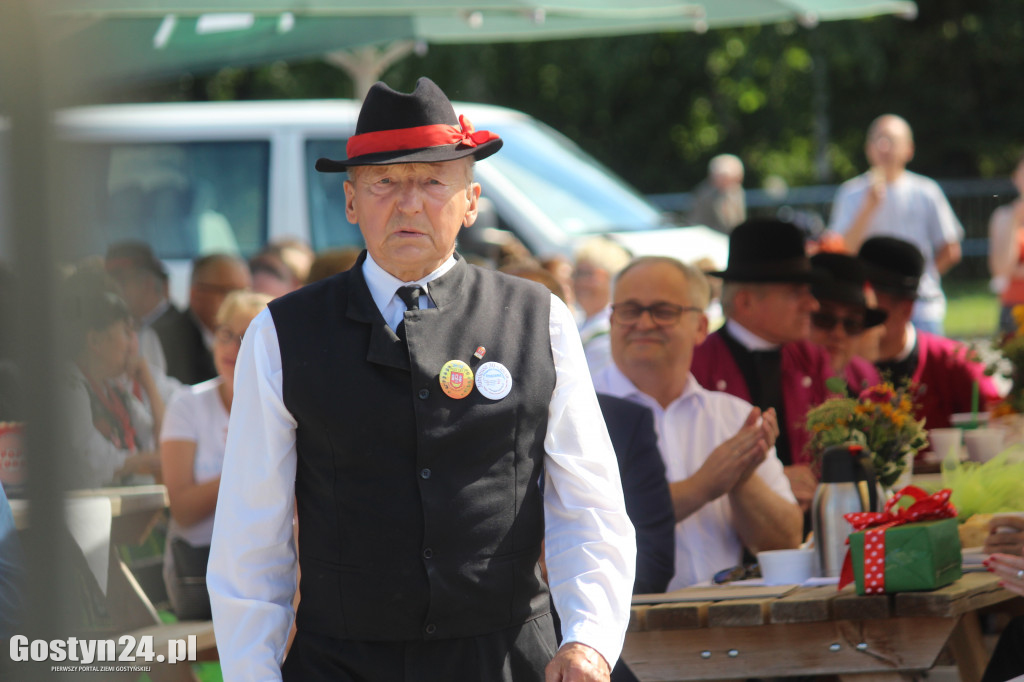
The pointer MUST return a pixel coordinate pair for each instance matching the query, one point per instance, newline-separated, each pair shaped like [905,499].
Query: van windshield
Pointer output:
[565,184]
[183,199]
[568,185]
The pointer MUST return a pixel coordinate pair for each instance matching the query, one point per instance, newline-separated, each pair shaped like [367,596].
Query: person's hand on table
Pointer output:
[1010,568]
[803,483]
[1005,535]
[577,662]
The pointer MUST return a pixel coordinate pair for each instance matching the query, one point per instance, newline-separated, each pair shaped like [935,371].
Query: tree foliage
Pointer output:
[658,107]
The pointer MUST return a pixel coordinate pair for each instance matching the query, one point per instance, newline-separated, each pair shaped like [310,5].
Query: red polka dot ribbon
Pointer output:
[925,508]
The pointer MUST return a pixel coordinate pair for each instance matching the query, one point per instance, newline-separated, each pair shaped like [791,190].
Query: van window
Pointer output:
[573,188]
[328,226]
[184,199]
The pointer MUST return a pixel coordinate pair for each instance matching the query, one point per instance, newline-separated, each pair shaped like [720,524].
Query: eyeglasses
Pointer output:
[225,335]
[828,321]
[662,314]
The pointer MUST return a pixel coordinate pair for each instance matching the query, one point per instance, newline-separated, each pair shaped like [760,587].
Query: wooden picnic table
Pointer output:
[724,632]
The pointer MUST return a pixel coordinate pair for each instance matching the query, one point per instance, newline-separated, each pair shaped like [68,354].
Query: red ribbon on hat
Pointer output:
[874,524]
[419,137]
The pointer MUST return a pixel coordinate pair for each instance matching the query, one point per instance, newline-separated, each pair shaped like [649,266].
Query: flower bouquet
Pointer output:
[881,419]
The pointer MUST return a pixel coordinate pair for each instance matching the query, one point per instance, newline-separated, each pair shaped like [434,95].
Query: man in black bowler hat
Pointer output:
[942,367]
[762,353]
[407,409]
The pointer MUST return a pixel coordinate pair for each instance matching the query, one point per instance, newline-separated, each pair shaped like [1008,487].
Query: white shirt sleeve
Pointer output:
[252,569]
[590,545]
[844,206]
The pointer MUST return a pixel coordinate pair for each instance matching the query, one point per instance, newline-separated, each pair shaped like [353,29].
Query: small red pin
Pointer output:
[480,352]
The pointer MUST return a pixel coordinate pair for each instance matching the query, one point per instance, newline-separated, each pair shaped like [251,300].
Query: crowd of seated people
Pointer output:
[707,424]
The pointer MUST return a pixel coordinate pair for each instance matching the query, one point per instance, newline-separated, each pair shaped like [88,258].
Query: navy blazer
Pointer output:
[645,487]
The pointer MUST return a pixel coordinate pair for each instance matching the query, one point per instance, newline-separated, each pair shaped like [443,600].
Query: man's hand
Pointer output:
[803,483]
[576,662]
[737,457]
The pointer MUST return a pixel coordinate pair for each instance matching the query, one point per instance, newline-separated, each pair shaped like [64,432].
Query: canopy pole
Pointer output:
[366,65]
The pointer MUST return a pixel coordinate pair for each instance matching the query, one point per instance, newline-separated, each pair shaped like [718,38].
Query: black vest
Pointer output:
[420,515]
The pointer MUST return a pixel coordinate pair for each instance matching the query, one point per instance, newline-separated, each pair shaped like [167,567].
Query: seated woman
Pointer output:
[847,325]
[192,453]
[112,431]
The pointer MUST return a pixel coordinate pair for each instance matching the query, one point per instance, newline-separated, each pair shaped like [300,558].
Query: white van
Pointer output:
[195,178]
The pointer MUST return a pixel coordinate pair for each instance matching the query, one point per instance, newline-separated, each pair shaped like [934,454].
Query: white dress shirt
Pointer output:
[688,429]
[590,545]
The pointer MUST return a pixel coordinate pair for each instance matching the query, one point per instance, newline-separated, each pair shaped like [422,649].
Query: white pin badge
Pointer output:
[493,380]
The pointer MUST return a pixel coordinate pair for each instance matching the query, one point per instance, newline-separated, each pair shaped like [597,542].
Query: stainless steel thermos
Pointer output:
[847,485]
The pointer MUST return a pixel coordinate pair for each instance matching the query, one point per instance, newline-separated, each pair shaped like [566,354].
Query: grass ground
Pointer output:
[972,310]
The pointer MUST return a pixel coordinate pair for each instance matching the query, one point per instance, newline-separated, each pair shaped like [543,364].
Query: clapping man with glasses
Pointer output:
[728,488]
[847,324]
[762,354]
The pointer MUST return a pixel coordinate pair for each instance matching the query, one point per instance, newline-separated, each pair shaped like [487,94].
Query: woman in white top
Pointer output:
[192,453]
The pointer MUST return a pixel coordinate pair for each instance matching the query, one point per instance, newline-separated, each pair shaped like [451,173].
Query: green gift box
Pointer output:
[918,556]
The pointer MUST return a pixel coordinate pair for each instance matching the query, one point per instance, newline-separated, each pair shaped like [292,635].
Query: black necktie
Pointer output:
[410,296]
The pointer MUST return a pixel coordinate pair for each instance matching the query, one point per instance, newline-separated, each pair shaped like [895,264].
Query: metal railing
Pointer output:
[973,201]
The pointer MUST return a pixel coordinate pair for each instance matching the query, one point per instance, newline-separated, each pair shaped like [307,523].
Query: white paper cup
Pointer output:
[983,443]
[786,566]
[944,442]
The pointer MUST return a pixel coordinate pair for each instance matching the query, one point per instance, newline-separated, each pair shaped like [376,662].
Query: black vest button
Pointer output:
[424,394]
[430,629]
[427,553]
[425,473]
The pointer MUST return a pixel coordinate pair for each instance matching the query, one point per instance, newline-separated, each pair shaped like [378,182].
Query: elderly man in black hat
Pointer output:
[941,366]
[408,409]
[846,324]
[762,354]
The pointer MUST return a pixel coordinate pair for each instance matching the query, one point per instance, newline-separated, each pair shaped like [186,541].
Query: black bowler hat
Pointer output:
[843,281]
[894,266]
[767,251]
[420,127]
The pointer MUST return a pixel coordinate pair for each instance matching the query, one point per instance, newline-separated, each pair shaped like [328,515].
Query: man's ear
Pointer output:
[702,328]
[473,195]
[350,202]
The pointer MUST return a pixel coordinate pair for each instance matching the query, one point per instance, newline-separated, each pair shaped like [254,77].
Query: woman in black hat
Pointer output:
[846,324]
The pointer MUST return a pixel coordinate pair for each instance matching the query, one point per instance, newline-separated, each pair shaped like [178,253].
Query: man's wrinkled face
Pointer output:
[780,313]
[410,214]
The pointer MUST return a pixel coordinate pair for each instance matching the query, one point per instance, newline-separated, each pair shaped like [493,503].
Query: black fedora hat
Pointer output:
[767,251]
[419,127]
[843,281]
[893,266]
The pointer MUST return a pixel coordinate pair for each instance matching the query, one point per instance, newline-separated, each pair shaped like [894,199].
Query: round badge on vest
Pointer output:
[456,379]
[493,380]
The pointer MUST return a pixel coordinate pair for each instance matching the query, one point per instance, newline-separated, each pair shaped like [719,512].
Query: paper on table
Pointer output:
[88,522]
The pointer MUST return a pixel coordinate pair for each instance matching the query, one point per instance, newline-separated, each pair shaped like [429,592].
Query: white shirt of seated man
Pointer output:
[728,487]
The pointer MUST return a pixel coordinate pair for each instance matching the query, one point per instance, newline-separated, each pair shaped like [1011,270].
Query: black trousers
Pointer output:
[517,654]
[1007,660]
